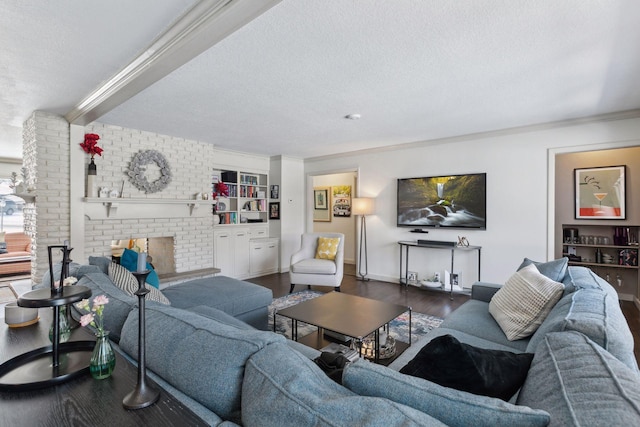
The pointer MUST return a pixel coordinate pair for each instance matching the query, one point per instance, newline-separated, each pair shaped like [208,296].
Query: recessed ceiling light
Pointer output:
[352,116]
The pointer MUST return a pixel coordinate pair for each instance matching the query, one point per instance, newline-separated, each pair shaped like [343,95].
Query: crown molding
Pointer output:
[620,115]
[201,27]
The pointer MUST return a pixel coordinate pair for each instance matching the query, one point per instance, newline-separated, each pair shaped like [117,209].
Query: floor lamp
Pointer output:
[363,206]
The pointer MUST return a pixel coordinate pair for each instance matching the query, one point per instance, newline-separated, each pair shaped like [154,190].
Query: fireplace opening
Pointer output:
[160,250]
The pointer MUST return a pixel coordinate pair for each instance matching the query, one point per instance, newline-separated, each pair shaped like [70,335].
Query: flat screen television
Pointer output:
[453,201]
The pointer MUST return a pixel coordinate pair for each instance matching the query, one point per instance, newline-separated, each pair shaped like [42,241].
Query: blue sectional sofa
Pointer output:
[230,373]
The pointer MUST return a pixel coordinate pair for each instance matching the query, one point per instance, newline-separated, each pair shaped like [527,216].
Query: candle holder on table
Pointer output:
[42,368]
[143,395]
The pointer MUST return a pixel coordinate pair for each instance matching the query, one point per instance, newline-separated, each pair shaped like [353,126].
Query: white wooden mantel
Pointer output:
[101,208]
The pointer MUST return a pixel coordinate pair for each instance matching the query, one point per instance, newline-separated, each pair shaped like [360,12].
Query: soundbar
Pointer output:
[436,243]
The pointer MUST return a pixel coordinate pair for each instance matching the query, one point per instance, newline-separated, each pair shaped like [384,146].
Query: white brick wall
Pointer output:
[46,143]
[46,157]
[191,165]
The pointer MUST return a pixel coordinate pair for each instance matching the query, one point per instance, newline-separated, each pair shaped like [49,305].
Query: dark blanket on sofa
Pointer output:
[450,363]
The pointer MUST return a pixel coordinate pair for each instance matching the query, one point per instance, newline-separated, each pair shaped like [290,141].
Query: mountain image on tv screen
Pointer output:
[457,201]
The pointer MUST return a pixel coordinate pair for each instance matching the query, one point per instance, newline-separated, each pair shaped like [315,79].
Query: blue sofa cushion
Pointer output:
[581,384]
[75,270]
[119,306]
[554,270]
[451,363]
[220,316]
[473,318]
[230,295]
[453,407]
[594,313]
[129,260]
[282,387]
[101,262]
[202,357]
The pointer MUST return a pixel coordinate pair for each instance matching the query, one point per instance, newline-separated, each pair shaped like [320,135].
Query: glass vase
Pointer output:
[65,328]
[103,359]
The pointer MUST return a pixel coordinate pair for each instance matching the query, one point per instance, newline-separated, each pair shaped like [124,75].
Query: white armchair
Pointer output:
[306,269]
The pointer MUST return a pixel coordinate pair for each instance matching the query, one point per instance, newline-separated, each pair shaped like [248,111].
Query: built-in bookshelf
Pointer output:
[246,202]
[610,251]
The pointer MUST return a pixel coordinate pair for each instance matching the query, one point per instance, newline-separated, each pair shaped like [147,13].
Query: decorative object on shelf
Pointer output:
[600,193]
[274,210]
[363,206]
[103,359]
[341,200]
[137,171]
[387,346]
[143,395]
[90,146]
[462,241]
[321,204]
[220,190]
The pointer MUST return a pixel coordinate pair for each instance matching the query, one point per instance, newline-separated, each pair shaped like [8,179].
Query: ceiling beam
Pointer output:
[204,25]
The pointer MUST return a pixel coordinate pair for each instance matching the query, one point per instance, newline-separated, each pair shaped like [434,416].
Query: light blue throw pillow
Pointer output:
[453,407]
[554,270]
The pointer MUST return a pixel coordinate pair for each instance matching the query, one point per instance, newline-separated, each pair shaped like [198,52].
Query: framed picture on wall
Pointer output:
[321,198]
[274,210]
[322,204]
[600,193]
[275,192]
[341,199]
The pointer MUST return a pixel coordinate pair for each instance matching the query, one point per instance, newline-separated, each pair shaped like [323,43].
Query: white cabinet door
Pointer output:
[264,256]
[241,252]
[223,253]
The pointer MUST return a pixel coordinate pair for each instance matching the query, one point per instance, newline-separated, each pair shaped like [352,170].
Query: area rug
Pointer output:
[7,294]
[421,324]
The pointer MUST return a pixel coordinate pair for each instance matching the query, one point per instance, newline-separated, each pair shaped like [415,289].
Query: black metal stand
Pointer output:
[44,367]
[143,395]
[363,237]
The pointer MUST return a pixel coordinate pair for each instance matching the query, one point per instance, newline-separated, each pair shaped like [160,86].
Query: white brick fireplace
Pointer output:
[57,167]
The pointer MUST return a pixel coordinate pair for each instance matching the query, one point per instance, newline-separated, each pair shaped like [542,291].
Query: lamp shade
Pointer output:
[363,205]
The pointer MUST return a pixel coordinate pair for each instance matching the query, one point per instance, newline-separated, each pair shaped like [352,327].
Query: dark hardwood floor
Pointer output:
[420,300]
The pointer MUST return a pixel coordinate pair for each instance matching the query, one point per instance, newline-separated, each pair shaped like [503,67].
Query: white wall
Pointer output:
[517,198]
[344,225]
[288,173]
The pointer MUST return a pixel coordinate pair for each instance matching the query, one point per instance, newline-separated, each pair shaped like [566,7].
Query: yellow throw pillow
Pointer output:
[327,247]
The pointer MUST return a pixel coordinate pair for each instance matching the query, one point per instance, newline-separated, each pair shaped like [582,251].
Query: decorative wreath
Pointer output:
[137,171]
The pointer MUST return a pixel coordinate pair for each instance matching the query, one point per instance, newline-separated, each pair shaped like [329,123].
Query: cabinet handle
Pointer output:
[272,246]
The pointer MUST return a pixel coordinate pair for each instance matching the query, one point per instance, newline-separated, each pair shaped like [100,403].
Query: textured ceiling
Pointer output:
[415,70]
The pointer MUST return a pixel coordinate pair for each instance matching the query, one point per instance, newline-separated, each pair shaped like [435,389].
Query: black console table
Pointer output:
[82,400]
[404,258]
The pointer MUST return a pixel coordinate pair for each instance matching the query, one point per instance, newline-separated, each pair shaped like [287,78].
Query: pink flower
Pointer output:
[83,305]
[87,319]
[100,300]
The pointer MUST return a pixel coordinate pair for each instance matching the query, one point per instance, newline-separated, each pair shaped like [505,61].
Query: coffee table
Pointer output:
[349,315]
